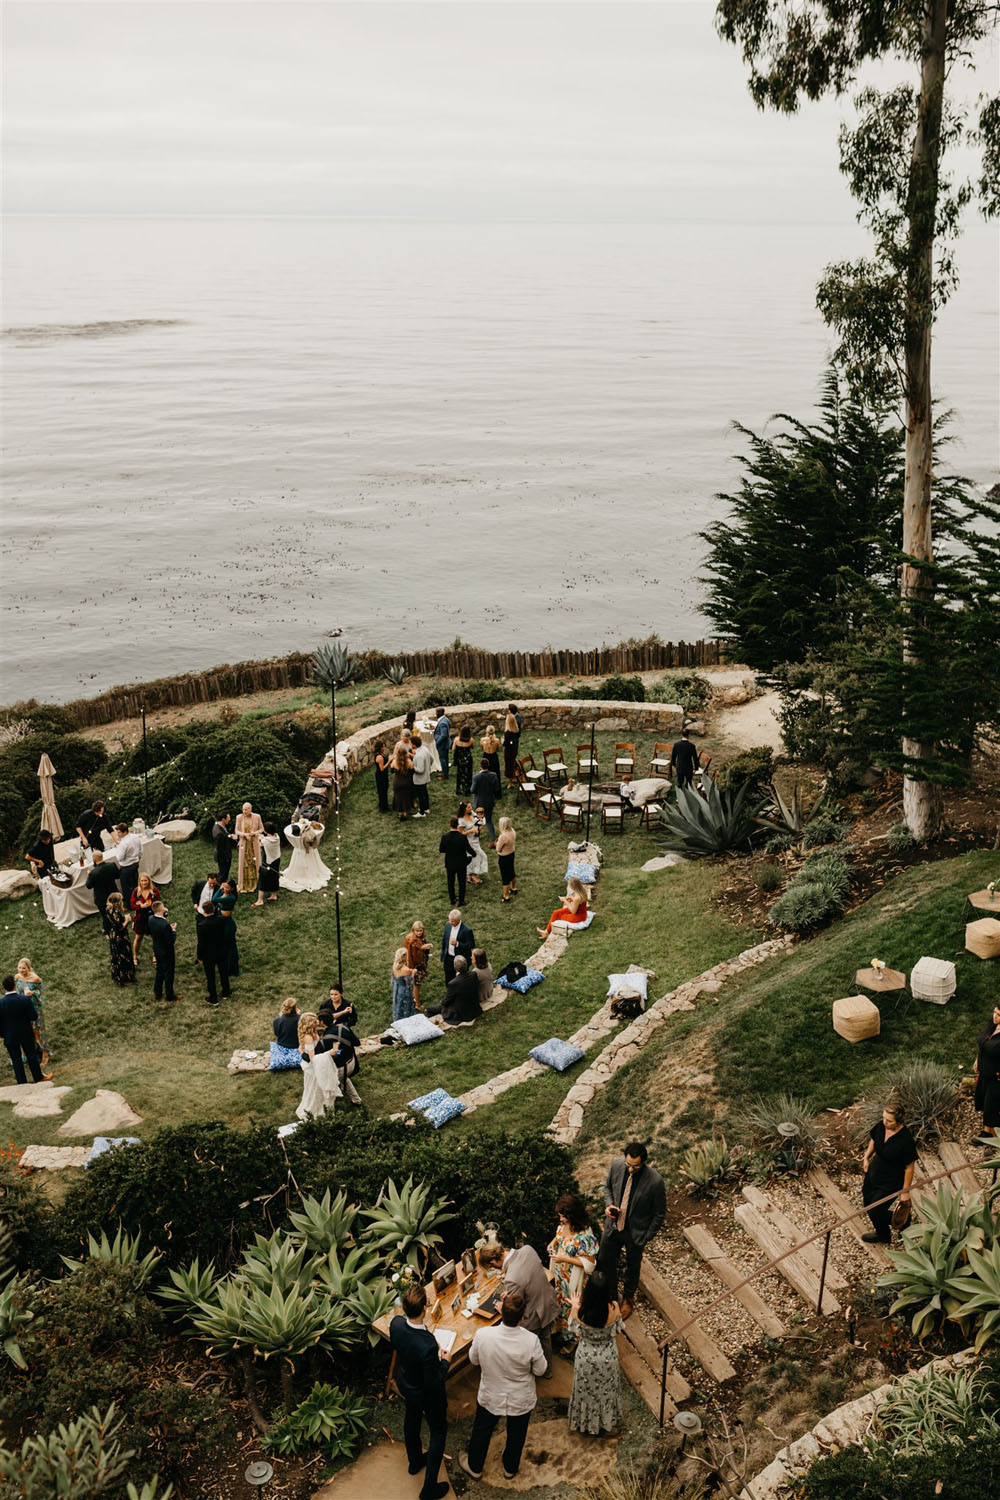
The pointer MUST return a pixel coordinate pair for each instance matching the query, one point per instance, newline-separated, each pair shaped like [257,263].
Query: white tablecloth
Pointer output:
[65,905]
[425,729]
[305,870]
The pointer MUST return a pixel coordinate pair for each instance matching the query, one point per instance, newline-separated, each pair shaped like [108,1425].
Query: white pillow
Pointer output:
[633,984]
[574,926]
[414,1029]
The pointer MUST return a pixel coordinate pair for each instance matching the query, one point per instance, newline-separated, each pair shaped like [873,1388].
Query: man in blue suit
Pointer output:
[442,739]
[17,1031]
[420,1372]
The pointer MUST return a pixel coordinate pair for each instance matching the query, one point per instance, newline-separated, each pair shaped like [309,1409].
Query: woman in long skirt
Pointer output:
[270,865]
[595,1407]
[402,781]
[462,756]
[249,827]
[120,942]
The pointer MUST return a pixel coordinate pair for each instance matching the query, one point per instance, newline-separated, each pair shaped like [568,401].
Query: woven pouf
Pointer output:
[983,937]
[933,979]
[856,1018]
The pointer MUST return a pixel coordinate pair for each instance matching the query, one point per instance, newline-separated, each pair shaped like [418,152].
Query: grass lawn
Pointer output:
[169,1061]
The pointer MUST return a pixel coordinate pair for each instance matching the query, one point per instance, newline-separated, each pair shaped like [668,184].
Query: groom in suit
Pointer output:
[636,1204]
[164,935]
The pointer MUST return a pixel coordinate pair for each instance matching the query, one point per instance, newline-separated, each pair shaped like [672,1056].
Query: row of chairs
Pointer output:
[555,768]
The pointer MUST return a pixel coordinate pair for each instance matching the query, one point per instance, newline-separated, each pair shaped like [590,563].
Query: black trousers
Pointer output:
[422,796]
[613,1242]
[129,878]
[165,968]
[483,1428]
[224,867]
[881,1216]
[218,965]
[435,1410]
[456,884]
[14,1050]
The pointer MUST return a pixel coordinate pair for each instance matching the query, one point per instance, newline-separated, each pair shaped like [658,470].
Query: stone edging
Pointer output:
[841,1428]
[568,1119]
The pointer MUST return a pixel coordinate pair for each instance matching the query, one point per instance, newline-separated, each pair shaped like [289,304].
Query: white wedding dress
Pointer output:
[305,870]
[320,1086]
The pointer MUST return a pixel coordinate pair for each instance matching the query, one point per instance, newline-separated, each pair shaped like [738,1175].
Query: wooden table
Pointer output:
[891,980]
[465,1329]
[980,901]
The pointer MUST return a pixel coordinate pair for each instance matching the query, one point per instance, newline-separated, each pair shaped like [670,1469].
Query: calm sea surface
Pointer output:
[511,433]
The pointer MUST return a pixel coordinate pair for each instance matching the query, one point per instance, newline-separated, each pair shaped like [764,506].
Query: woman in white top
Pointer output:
[470,822]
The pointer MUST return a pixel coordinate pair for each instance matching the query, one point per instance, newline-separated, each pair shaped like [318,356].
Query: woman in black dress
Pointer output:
[270,864]
[225,903]
[988,1074]
[402,781]
[382,776]
[888,1163]
[511,744]
[120,942]
[490,745]
[462,756]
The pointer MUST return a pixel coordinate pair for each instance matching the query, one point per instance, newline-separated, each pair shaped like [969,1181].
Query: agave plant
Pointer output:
[369,1301]
[76,1461]
[707,1164]
[404,1223]
[189,1287]
[790,817]
[123,1250]
[333,666]
[15,1315]
[328,1418]
[937,1408]
[6,1253]
[396,674]
[935,1253]
[276,1263]
[978,1291]
[338,1278]
[708,824]
[325,1223]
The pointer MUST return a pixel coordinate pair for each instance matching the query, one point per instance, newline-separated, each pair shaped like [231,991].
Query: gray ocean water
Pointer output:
[224,438]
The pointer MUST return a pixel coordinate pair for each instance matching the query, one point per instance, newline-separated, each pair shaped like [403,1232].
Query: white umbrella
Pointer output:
[50,815]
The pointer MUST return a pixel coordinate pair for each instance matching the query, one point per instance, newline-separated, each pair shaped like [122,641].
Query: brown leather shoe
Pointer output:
[626,1308]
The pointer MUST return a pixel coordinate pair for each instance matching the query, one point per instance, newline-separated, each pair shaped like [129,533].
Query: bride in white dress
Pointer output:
[320,1082]
[306,871]
[471,823]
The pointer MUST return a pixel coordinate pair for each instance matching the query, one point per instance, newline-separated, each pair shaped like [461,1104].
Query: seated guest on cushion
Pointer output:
[483,970]
[575,909]
[461,996]
[286,1025]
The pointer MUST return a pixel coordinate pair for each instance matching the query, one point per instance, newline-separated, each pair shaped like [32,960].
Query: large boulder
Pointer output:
[176,830]
[16,883]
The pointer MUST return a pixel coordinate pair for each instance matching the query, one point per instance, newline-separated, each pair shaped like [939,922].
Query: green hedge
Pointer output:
[949,1473]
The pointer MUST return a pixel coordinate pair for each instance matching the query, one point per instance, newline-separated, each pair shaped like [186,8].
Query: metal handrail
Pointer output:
[822,1234]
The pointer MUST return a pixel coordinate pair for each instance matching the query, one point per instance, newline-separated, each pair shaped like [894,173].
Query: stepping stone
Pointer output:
[379,1472]
[106,1114]
[40,1105]
[54,1158]
[16,1093]
[663,862]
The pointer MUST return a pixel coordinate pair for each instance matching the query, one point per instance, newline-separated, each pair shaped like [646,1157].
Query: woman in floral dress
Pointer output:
[572,1257]
[32,984]
[120,941]
[462,756]
[595,1407]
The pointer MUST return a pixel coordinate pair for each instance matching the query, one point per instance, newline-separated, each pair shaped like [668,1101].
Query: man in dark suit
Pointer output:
[222,844]
[636,1203]
[212,952]
[420,1372]
[102,880]
[461,997]
[164,935]
[684,759]
[485,794]
[17,1030]
[458,856]
[92,824]
[458,938]
[203,894]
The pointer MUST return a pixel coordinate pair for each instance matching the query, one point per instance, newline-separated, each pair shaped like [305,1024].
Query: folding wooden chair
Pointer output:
[649,816]
[704,760]
[571,815]
[529,772]
[612,816]
[584,765]
[555,764]
[660,763]
[528,790]
[544,804]
[624,760]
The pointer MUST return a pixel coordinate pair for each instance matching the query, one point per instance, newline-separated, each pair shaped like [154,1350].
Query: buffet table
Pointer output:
[64,905]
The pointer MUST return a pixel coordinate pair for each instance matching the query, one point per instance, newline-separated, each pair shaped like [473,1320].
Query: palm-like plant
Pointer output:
[333,666]
[188,1287]
[709,824]
[123,1250]
[404,1222]
[325,1223]
[934,1256]
[338,1277]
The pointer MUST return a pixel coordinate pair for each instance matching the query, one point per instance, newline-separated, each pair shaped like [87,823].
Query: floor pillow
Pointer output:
[103,1143]
[557,1054]
[628,984]
[437,1107]
[415,1029]
[524,984]
[574,926]
[283,1057]
[579,871]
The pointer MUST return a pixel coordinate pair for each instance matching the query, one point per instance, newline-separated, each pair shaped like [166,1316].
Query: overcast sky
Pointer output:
[369,108]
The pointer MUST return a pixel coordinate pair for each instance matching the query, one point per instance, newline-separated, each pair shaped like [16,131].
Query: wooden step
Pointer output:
[842,1205]
[792,1267]
[794,1234]
[705,1245]
[647,1349]
[638,1372]
[704,1349]
[928,1165]
[962,1174]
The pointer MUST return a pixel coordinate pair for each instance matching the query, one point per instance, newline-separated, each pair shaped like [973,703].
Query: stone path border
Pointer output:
[841,1428]
[568,1119]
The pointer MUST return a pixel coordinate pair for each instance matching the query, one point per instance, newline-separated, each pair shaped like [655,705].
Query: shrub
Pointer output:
[40,718]
[899,839]
[622,690]
[768,878]
[753,767]
[328,1418]
[28,1217]
[75,759]
[761,1118]
[475,690]
[712,824]
[831,870]
[872,1473]
[780,843]
[80,1460]
[926,1090]
[707,1164]
[13,812]
[803,905]
[821,831]
[940,1408]
[689,689]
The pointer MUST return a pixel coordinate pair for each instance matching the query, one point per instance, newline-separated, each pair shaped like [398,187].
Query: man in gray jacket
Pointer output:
[523,1270]
[636,1204]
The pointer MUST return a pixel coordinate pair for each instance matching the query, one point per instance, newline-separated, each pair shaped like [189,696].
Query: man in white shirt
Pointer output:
[127,852]
[509,1358]
[422,762]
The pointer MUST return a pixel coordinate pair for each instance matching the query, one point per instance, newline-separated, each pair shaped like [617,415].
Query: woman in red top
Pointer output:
[575,909]
[141,902]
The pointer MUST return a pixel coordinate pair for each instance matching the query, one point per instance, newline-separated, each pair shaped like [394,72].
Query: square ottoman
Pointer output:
[983,937]
[856,1019]
[933,979]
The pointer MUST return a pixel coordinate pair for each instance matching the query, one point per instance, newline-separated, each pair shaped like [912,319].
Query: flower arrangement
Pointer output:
[991,888]
[401,1277]
[878,964]
[489,1234]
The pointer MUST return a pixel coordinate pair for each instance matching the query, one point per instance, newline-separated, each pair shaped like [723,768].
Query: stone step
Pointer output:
[645,1382]
[794,1234]
[842,1205]
[673,1311]
[648,1349]
[705,1245]
[795,1270]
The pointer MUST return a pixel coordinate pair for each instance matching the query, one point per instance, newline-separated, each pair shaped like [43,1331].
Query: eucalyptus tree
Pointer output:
[882,306]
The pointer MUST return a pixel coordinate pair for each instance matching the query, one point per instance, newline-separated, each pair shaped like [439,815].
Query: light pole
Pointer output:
[145,769]
[590,780]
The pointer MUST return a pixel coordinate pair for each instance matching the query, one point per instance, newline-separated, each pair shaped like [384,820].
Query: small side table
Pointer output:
[891,982]
[978,904]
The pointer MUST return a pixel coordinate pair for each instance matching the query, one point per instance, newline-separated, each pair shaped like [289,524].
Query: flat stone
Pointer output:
[54,1158]
[379,1474]
[16,1093]
[663,862]
[574,1117]
[16,883]
[41,1105]
[106,1114]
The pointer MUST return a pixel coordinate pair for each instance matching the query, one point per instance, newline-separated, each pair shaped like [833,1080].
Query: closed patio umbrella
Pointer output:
[50,815]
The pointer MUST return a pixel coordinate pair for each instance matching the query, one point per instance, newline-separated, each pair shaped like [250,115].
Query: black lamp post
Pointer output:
[590,780]
[145,769]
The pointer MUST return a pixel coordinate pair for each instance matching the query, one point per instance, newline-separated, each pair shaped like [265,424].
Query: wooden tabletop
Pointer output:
[891,979]
[465,1329]
[981,901]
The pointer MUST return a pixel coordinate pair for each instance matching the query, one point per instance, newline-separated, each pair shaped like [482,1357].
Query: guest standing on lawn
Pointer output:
[462,756]
[509,1359]
[506,840]
[575,909]
[418,952]
[490,746]
[213,953]
[31,984]
[120,942]
[511,744]
[458,938]
[595,1406]
[382,777]
[486,793]
[222,845]
[636,1204]
[402,780]
[422,762]
[402,986]
[888,1165]
[270,864]
[987,1071]
[102,880]
[471,823]
[442,740]
[141,902]
[420,1370]
[684,759]
[249,827]
[127,852]
[17,1031]
[457,858]
[164,938]
[572,1257]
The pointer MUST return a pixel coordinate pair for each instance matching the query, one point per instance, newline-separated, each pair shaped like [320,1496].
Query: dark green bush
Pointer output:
[753,767]
[476,690]
[622,690]
[689,689]
[899,839]
[74,758]
[803,905]
[768,878]
[204,1189]
[13,812]
[821,831]
[28,1215]
[966,1473]
[41,718]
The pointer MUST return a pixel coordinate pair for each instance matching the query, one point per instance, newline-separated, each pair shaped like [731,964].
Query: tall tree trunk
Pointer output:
[922,800]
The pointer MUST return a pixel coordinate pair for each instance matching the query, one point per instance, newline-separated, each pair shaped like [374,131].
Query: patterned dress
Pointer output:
[577,1242]
[35,988]
[120,943]
[248,831]
[462,757]
[596,1403]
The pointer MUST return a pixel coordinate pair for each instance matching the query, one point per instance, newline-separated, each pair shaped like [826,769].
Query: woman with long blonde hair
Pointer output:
[575,909]
[402,986]
[141,902]
[27,982]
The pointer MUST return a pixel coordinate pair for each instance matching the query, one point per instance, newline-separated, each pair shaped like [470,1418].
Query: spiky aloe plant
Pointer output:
[123,1250]
[790,817]
[16,1312]
[328,1418]
[325,1223]
[403,1224]
[188,1287]
[707,1164]
[333,666]
[978,1292]
[709,824]
[935,1254]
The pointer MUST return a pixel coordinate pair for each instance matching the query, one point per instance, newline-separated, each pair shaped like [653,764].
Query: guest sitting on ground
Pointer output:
[575,909]
[483,970]
[461,997]
[286,1025]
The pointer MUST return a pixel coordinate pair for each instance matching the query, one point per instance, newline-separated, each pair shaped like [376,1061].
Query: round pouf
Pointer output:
[983,937]
[933,979]
[856,1019]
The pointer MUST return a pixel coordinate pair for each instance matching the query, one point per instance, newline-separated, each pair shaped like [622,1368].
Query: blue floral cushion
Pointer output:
[103,1143]
[414,1029]
[283,1057]
[437,1107]
[586,873]
[557,1054]
[522,986]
